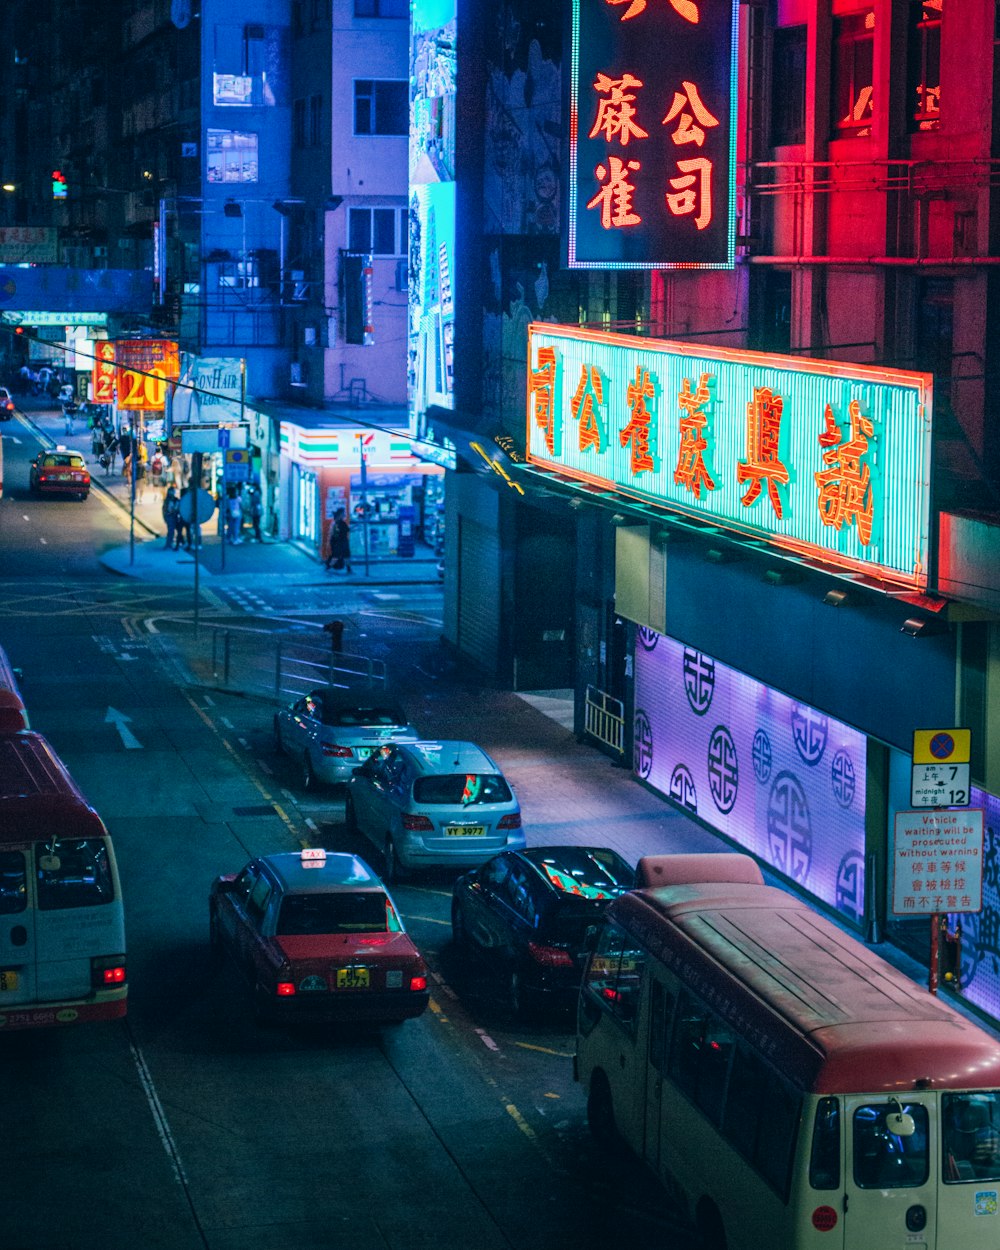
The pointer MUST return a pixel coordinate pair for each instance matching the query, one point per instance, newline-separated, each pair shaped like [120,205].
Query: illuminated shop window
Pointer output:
[924,51]
[853,72]
[381,106]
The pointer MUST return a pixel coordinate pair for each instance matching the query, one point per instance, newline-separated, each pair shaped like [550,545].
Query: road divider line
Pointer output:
[546,1050]
[486,1040]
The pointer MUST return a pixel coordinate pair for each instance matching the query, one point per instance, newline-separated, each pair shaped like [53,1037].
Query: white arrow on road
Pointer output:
[120,721]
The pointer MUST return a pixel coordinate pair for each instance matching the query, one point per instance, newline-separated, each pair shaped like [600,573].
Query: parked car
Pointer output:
[318,939]
[7,405]
[329,732]
[59,472]
[528,913]
[433,804]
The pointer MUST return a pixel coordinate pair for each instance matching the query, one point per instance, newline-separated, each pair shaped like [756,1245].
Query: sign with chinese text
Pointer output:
[144,366]
[939,785]
[104,372]
[937,863]
[21,245]
[652,134]
[828,461]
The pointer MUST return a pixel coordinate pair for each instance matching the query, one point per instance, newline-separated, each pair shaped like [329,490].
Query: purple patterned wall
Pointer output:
[776,776]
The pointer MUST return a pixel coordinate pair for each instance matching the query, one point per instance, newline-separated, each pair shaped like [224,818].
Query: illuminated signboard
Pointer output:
[144,366]
[103,381]
[829,461]
[652,134]
[778,777]
[341,448]
[433,29]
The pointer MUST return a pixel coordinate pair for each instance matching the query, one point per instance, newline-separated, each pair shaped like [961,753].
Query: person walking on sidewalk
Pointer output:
[171,509]
[69,414]
[256,511]
[234,516]
[340,543]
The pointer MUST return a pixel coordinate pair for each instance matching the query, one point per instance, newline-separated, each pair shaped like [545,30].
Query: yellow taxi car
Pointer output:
[318,938]
[60,472]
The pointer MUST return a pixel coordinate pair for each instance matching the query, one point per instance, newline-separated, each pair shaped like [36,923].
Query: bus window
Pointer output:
[883,1160]
[74,873]
[700,1059]
[661,1008]
[13,883]
[776,1139]
[614,977]
[743,1105]
[971,1137]
[824,1160]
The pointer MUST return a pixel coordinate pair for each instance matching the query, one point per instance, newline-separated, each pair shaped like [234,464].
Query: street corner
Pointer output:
[152,561]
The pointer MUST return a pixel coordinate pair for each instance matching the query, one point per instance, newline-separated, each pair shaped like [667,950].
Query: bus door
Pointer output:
[17,929]
[660,1010]
[890,1185]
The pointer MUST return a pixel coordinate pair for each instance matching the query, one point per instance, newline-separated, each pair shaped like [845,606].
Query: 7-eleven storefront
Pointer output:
[393,500]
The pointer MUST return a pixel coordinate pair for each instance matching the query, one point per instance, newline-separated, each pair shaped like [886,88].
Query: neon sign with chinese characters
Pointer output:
[652,134]
[830,461]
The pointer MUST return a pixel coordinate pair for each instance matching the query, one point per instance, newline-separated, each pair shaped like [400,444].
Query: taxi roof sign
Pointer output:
[312,857]
[942,746]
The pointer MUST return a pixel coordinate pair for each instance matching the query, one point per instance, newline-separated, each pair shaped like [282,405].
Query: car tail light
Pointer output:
[550,956]
[285,989]
[417,824]
[513,821]
[107,970]
[342,753]
[418,983]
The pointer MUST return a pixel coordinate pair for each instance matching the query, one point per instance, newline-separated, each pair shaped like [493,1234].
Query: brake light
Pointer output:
[343,753]
[107,970]
[418,983]
[550,956]
[114,976]
[417,824]
[285,989]
[512,821]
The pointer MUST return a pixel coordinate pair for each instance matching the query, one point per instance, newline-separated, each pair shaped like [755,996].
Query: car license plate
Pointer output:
[352,979]
[465,831]
[8,980]
[63,477]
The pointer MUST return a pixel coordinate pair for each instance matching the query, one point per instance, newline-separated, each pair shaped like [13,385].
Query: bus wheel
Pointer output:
[601,1113]
[711,1233]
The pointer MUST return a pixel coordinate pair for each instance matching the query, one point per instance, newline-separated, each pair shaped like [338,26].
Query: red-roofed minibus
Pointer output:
[789,1087]
[62,925]
[13,715]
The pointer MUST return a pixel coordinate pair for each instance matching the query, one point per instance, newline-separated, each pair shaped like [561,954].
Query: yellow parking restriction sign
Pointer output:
[941,746]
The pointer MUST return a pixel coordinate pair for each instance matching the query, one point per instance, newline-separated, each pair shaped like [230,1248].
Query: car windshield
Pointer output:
[461,789]
[313,914]
[370,714]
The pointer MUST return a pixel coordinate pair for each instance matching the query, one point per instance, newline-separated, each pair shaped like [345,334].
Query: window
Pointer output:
[305,915]
[788,86]
[381,8]
[315,120]
[700,1057]
[971,1137]
[381,106]
[614,975]
[258,900]
[886,1160]
[76,873]
[924,65]
[299,123]
[381,231]
[824,1159]
[13,883]
[232,156]
[853,73]
[661,1008]
[465,789]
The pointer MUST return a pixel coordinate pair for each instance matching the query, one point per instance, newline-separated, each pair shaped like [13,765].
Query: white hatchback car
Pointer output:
[433,804]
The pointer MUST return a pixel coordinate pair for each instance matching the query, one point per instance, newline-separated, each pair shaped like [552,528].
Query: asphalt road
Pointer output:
[187,1126]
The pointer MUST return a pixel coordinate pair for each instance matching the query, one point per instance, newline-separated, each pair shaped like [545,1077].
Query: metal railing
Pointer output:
[604,719]
[283,665]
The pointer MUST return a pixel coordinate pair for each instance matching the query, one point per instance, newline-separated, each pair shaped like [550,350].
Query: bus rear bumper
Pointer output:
[58,1014]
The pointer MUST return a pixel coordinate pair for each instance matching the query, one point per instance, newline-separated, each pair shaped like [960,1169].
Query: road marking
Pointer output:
[120,721]
[209,701]
[44,542]
[545,1050]
[427,919]
[159,1115]
[312,824]
[228,723]
[486,1040]
[521,1122]
[266,767]
[243,743]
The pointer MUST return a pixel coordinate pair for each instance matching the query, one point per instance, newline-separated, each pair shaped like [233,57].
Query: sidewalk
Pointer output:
[248,561]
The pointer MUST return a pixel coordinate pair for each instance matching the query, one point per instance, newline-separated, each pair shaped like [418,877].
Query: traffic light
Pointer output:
[59,188]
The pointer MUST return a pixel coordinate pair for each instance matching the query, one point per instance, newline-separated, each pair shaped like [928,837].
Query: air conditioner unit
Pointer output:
[100,251]
[296,373]
[300,288]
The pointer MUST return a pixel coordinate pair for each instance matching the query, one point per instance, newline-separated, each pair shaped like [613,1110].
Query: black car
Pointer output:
[528,913]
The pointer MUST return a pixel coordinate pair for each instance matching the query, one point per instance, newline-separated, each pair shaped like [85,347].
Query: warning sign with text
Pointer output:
[937,862]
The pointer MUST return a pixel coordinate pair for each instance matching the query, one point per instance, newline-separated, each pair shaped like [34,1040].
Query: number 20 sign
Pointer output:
[143,369]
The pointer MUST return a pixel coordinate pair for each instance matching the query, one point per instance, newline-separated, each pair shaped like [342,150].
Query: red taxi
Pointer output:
[60,472]
[318,938]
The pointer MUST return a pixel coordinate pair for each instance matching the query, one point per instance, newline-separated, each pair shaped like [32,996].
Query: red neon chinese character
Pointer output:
[762,462]
[615,114]
[691,470]
[541,385]
[589,391]
[687,131]
[845,492]
[686,8]
[686,199]
[637,430]
[615,197]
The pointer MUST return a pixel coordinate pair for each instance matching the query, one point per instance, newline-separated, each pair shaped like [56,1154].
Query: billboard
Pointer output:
[430,359]
[142,369]
[828,461]
[652,134]
[209,391]
[778,777]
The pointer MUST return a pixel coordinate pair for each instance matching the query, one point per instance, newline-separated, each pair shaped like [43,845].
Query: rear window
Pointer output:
[308,914]
[63,462]
[462,789]
[75,873]
[377,714]
[589,875]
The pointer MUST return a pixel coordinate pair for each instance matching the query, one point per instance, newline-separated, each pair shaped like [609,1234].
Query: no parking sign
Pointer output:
[237,467]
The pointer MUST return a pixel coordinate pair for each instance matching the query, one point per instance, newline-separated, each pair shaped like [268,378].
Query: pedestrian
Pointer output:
[256,511]
[234,516]
[69,415]
[125,450]
[110,449]
[97,441]
[141,467]
[171,510]
[340,543]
